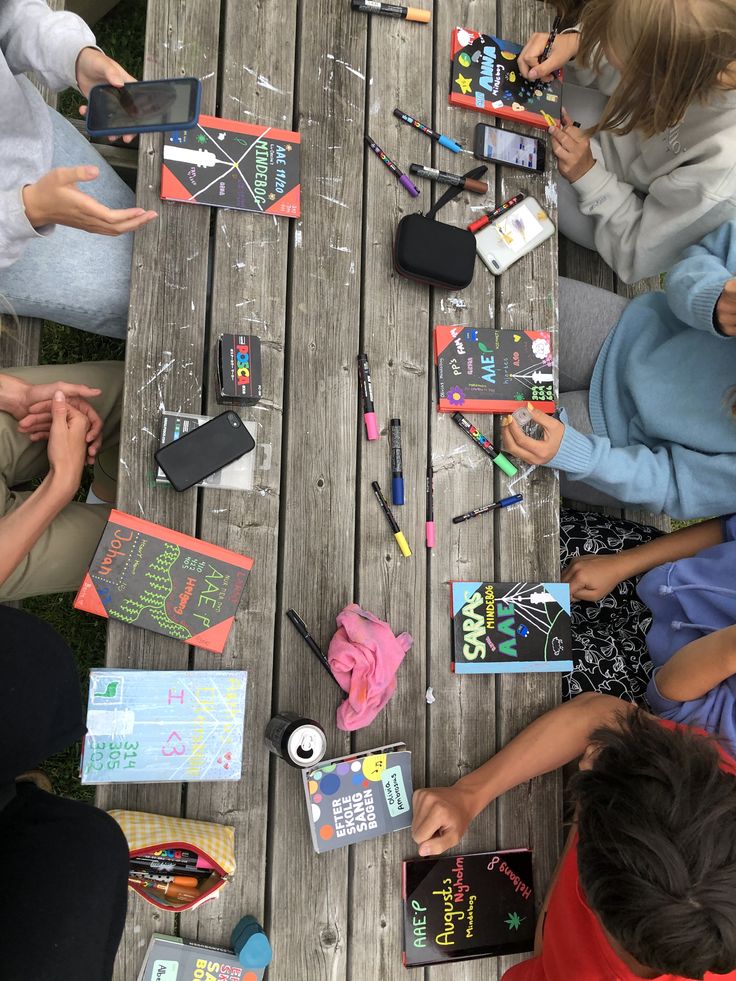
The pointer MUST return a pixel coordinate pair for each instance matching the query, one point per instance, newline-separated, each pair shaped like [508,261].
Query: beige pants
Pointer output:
[61,556]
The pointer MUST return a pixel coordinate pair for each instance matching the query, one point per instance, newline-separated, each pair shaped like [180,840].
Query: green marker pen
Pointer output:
[485,444]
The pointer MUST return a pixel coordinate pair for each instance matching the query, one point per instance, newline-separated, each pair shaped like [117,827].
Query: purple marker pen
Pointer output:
[385,159]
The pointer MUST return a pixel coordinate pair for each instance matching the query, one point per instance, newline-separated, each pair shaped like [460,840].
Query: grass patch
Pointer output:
[121,35]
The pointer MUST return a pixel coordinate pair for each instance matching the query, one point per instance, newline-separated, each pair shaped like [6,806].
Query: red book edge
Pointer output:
[280,207]
[250,129]
[468,101]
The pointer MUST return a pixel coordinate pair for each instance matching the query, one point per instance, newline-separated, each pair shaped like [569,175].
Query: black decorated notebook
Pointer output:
[229,164]
[484,370]
[485,76]
[508,627]
[458,907]
[357,797]
[153,577]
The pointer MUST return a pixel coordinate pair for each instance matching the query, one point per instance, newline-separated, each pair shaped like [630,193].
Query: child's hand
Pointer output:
[564,48]
[591,577]
[67,449]
[726,309]
[539,451]
[37,424]
[56,199]
[572,149]
[441,818]
[95,68]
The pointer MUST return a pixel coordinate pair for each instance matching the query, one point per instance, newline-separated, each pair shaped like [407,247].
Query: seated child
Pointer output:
[49,267]
[646,887]
[49,430]
[648,391]
[688,594]
[655,171]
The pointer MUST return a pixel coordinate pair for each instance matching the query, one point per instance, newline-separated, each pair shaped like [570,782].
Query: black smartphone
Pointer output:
[144,107]
[203,450]
[503,146]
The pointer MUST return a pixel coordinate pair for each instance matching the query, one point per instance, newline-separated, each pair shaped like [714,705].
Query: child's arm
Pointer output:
[638,236]
[35,38]
[442,815]
[698,666]
[695,285]
[670,478]
[591,577]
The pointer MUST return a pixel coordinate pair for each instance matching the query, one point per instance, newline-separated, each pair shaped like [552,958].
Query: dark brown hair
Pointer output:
[657,846]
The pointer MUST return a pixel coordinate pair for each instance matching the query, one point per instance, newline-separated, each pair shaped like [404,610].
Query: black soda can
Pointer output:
[299,741]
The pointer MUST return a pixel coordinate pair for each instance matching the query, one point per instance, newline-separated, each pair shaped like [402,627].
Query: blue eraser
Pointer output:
[450,144]
[251,944]
[397,490]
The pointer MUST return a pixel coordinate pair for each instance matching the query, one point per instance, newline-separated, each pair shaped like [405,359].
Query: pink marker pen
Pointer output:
[429,526]
[366,390]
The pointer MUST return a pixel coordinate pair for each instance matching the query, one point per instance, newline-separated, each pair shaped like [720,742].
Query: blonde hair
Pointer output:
[675,52]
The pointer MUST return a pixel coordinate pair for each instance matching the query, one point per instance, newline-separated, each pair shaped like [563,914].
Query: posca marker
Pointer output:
[428,131]
[392,10]
[485,444]
[505,502]
[388,162]
[429,526]
[455,180]
[366,390]
[475,226]
[397,470]
[398,533]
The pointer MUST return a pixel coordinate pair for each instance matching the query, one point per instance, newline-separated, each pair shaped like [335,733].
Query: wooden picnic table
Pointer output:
[318,291]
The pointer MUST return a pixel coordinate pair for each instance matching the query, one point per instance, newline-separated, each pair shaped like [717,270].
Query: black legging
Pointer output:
[64,863]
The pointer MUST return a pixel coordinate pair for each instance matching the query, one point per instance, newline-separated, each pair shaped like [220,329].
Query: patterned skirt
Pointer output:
[609,637]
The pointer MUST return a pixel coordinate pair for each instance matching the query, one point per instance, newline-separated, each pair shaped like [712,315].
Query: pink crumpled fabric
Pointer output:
[364,656]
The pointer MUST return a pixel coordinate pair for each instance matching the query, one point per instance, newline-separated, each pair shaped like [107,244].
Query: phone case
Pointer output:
[160,128]
[513,235]
[170,457]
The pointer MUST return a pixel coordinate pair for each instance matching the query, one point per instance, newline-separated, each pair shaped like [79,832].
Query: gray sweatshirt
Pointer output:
[32,37]
[653,198]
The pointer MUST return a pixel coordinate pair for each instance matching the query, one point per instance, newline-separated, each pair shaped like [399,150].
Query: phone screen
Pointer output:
[518,228]
[168,102]
[511,148]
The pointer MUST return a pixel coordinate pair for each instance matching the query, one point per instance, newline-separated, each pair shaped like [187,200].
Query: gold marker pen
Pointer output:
[398,533]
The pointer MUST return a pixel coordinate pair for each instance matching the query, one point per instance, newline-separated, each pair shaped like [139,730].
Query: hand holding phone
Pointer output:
[204,450]
[144,107]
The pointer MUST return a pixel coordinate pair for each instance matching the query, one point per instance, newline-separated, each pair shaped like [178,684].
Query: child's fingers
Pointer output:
[566,117]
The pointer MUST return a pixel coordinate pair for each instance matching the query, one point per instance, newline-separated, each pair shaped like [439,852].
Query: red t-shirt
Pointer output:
[575,947]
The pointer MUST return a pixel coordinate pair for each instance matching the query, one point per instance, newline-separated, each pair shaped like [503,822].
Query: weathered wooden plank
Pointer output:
[319,470]
[395,332]
[527,544]
[461,721]
[164,360]
[249,294]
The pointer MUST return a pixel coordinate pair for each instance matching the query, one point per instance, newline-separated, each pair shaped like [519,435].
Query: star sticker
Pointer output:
[464,84]
[514,921]
[201,138]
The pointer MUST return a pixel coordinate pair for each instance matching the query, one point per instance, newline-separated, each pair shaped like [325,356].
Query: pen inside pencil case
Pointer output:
[174,881]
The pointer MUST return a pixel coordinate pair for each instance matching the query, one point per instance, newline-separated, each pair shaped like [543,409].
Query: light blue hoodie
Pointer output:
[663,434]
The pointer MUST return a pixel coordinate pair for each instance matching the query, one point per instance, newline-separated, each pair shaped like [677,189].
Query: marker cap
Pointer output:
[397,490]
[411,188]
[403,544]
[430,534]
[371,426]
[449,144]
[478,187]
[503,464]
[414,13]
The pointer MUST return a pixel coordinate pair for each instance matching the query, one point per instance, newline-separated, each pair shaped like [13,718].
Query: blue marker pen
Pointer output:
[428,131]
[505,502]
[397,471]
